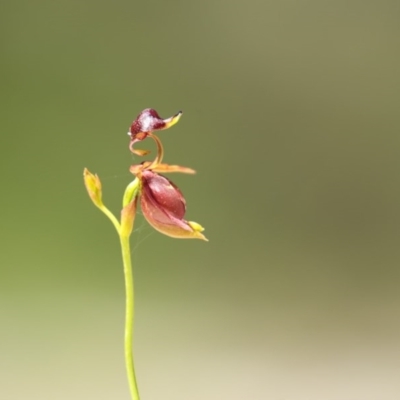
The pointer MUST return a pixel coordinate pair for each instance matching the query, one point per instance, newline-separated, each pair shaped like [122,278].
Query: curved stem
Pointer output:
[110,216]
[160,151]
[129,316]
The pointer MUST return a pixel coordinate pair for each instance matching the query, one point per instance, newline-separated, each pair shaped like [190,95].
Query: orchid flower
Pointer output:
[162,204]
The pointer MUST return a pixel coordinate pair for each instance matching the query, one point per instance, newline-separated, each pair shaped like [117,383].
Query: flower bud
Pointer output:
[164,207]
[93,187]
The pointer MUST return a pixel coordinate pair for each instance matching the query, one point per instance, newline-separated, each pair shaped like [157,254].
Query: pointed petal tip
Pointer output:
[203,238]
[172,120]
[197,230]
[140,152]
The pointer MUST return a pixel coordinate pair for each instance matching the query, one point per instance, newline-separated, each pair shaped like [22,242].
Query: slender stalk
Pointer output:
[111,217]
[129,316]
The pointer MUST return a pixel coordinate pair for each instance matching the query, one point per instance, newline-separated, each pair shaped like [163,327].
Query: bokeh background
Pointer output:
[291,118]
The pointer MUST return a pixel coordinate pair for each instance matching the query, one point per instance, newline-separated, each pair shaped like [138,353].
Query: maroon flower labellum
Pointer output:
[146,122]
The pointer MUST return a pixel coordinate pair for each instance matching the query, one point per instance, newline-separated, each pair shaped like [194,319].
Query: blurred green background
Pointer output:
[291,118]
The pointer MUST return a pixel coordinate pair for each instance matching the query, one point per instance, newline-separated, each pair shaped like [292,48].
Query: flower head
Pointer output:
[146,122]
[162,203]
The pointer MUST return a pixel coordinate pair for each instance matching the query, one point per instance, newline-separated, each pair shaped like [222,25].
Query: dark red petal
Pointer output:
[163,194]
[163,205]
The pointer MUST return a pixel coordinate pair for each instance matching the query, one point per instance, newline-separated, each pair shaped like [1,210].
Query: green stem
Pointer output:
[110,216]
[129,316]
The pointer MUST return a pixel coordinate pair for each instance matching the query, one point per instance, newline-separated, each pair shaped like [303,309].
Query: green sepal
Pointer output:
[131,192]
